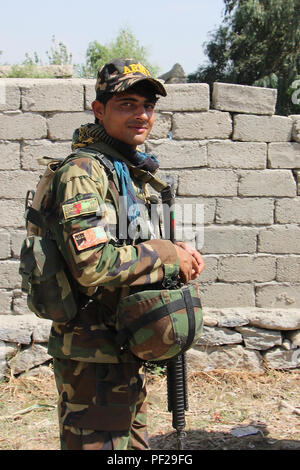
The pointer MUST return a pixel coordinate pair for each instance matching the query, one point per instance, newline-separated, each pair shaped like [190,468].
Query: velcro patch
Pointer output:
[90,237]
[83,207]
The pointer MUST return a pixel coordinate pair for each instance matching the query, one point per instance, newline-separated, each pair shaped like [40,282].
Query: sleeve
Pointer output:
[83,235]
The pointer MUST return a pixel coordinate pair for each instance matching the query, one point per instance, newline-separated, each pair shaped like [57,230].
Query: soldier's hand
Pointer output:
[198,264]
[187,264]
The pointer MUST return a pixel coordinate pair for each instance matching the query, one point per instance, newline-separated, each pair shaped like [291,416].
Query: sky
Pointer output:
[172,31]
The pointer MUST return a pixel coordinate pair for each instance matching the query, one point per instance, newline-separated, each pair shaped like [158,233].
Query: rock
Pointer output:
[258,338]
[275,319]
[23,328]
[280,358]
[28,358]
[226,317]
[175,75]
[218,336]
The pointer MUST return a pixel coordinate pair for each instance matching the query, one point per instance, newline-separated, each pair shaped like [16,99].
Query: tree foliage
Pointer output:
[256,44]
[124,46]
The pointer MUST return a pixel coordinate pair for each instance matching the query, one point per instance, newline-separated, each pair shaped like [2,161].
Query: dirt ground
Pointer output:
[223,405]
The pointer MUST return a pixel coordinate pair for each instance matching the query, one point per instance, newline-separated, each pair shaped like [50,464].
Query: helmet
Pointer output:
[157,325]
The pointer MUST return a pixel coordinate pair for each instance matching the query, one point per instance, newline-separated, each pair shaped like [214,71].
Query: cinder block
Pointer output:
[224,295]
[18,126]
[284,155]
[244,99]
[287,211]
[47,95]
[206,125]
[16,242]
[32,150]
[228,154]
[247,268]
[207,182]
[192,209]
[62,125]
[162,126]
[288,269]
[279,239]
[278,295]
[4,244]
[10,96]
[9,155]
[5,302]
[15,184]
[13,208]
[244,211]
[9,275]
[296,127]
[277,183]
[220,240]
[185,97]
[210,272]
[178,154]
[90,92]
[250,128]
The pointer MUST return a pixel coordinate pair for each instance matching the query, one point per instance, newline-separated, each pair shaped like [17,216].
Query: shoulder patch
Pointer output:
[91,237]
[83,207]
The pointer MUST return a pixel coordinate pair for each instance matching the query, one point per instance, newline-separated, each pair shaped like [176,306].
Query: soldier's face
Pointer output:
[127,117]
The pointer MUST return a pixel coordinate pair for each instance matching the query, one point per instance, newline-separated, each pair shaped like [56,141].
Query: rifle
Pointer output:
[176,368]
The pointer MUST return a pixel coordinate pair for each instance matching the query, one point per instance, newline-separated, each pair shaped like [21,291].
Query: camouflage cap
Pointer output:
[120,74]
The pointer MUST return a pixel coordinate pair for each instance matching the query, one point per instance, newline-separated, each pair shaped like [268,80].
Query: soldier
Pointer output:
[102,393]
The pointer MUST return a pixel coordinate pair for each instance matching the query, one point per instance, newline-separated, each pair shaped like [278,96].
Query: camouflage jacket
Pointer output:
[84,208]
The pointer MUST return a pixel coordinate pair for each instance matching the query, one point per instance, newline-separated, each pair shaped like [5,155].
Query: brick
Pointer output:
[228,154]
[278,183]
[162,126]
[262,128]
[16,183]
[192,205]
[244,99]
[62,125]
[288,269]
[279,239]
[17,240]
[9,275]
[185,97]
[207,182]
[279,295]
[4,244]
[32,150]
[296,127]
[13,210]
[48,95]
[225,295]
[284,155]
[229,240]
[18,126]
[9,155]
[5,302]
[244,211]
[206,125]
[10,96]
[287,211]
[178,154]
[89,92]
[247,268]
[210,272]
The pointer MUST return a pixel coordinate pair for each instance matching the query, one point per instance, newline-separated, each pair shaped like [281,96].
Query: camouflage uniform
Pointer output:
[101,386]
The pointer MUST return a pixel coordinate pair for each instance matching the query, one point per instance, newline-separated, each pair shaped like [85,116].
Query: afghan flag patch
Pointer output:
[88,238]
[83,207]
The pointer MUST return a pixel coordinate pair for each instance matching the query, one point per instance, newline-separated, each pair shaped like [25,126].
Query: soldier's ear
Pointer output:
[98,109]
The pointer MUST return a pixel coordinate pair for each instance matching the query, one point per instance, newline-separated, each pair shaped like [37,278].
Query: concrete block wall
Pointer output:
[233,158]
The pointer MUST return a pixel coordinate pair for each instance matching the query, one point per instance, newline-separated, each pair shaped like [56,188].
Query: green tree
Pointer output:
[125,45]
[256,44]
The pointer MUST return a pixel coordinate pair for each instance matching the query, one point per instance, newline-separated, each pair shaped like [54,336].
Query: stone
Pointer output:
[275,318]
[175,154]
[270,183]
[258,338]
[62,125]
[15,184]
[296,127]
[19,126]
[280,358]
[162,126]
[251,128]
[244,99]
[20,329]
[279,239]
[9,155]
[278,295]
[287,211]
[221,240]
[218,336]
[225,317]
[14,208]
[175,75]
[28,358]
[294,337]
[187,97]
[288,268]
[48,95]
[10,96]
[206,125]
[207,182]
[228,154]
[225,295]
[33,150]
[245,211]
[234,357]
[284,155]
[241,268]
